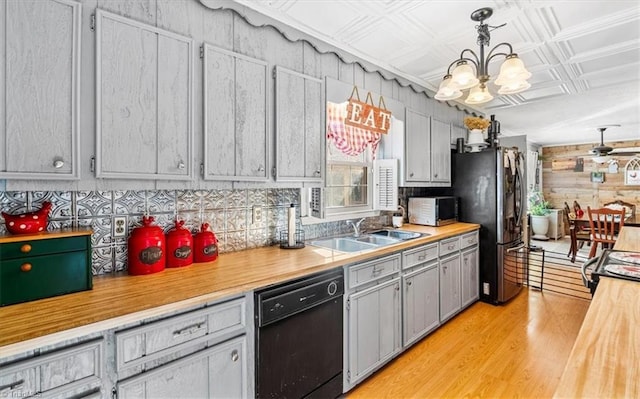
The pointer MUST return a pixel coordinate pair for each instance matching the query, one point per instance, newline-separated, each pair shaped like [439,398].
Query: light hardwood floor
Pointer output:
[517,350]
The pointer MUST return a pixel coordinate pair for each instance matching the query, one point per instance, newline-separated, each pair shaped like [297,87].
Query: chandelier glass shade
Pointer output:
[512,78]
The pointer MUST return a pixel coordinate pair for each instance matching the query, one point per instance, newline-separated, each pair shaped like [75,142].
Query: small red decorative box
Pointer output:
[30,222]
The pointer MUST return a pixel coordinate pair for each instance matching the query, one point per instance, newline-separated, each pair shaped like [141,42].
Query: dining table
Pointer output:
[582,223]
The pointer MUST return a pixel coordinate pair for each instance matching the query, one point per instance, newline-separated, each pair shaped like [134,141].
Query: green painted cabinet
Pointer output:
[44,265]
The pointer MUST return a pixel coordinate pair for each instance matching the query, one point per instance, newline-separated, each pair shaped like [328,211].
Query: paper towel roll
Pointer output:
[291,223]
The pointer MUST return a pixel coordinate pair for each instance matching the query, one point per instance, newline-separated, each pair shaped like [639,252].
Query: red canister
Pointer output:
[179,246]
[146,248]
[205,245]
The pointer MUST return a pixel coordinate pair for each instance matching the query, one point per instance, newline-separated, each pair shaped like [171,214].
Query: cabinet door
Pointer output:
[217,372]
[458,132]
[421,303]
[440,151]
[299,127]
[236,141]
[144,101]
[469,279]
[39,89]
[450,300]
[374,328]
[417,147]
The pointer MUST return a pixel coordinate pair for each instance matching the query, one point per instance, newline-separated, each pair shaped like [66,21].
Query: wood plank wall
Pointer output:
[559,186]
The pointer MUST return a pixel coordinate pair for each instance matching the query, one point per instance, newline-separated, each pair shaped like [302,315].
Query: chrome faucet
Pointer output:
[356,227]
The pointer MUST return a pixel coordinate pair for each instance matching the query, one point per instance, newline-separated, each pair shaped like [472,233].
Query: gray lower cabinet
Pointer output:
[421,302]
[236,125]
[216,372]
[299,127]
[40,89]
[372,317]
[374,328]
[470,279]
[421,292]
[450,299]
[198,354]
[69,371]
[144,101]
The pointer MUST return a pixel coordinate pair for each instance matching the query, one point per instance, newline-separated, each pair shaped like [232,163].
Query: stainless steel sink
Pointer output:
[398,234]
[367,241]
[344,244]
[377,239]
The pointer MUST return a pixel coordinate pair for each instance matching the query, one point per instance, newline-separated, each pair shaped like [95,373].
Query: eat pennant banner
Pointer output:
[365,115]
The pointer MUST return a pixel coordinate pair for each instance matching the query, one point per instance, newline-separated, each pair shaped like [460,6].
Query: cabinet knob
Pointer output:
[25,248]
[411,174]
[435,175]
[235,356]
[317,172]
[408,283]
[58,163]
[181,165]
[260,168]
[25,267]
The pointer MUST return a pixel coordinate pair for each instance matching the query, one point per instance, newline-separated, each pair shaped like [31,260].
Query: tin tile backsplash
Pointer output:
[228,212]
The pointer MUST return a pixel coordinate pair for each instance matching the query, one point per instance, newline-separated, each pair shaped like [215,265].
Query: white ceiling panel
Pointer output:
[584,54]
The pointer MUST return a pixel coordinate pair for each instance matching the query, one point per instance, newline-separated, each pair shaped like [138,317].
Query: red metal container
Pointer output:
[205,245]
[147,248]
[179,246]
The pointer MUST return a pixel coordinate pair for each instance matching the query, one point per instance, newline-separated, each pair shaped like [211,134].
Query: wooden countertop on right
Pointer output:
[605,359]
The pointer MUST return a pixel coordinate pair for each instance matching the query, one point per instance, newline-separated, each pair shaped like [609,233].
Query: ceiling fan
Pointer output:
[603,153]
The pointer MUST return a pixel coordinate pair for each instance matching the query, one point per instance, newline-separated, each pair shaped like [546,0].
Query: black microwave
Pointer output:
[433,211]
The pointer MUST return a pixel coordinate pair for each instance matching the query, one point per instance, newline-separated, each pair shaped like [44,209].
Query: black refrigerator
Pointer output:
[491,193]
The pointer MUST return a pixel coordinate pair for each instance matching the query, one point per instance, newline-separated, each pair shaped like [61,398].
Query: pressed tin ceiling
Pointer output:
[584,55]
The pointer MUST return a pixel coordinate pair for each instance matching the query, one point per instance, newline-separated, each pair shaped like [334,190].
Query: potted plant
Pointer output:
[538,210]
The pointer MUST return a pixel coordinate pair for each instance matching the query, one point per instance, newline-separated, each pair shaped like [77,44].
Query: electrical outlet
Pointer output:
[119,226]
[485,288]
[256,216]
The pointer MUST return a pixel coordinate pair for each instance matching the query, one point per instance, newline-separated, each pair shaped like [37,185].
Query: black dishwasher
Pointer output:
[299,338]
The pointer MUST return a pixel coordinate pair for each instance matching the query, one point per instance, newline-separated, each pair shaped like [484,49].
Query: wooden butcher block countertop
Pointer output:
[119,299]
[605,359]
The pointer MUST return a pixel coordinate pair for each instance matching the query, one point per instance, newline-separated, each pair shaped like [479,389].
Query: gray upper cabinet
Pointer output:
[417,148]
[299,127]
[236,132]
[440,152]
[458,132]
[39,86]
[144,91]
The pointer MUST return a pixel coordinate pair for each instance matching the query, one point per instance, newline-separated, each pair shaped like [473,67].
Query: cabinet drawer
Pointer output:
[24,248]
[449,245]
[46,276]
[54,373]
[145,343]
[420,255]
[468,240]
[369,271]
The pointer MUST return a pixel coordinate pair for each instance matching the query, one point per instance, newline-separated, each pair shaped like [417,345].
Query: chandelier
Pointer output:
[512,78]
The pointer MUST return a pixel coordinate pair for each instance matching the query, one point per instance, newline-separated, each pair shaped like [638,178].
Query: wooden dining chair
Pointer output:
[577,235]
[620,203]
[605,224]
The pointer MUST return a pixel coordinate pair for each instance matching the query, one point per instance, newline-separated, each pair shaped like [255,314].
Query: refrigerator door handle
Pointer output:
[518,179]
